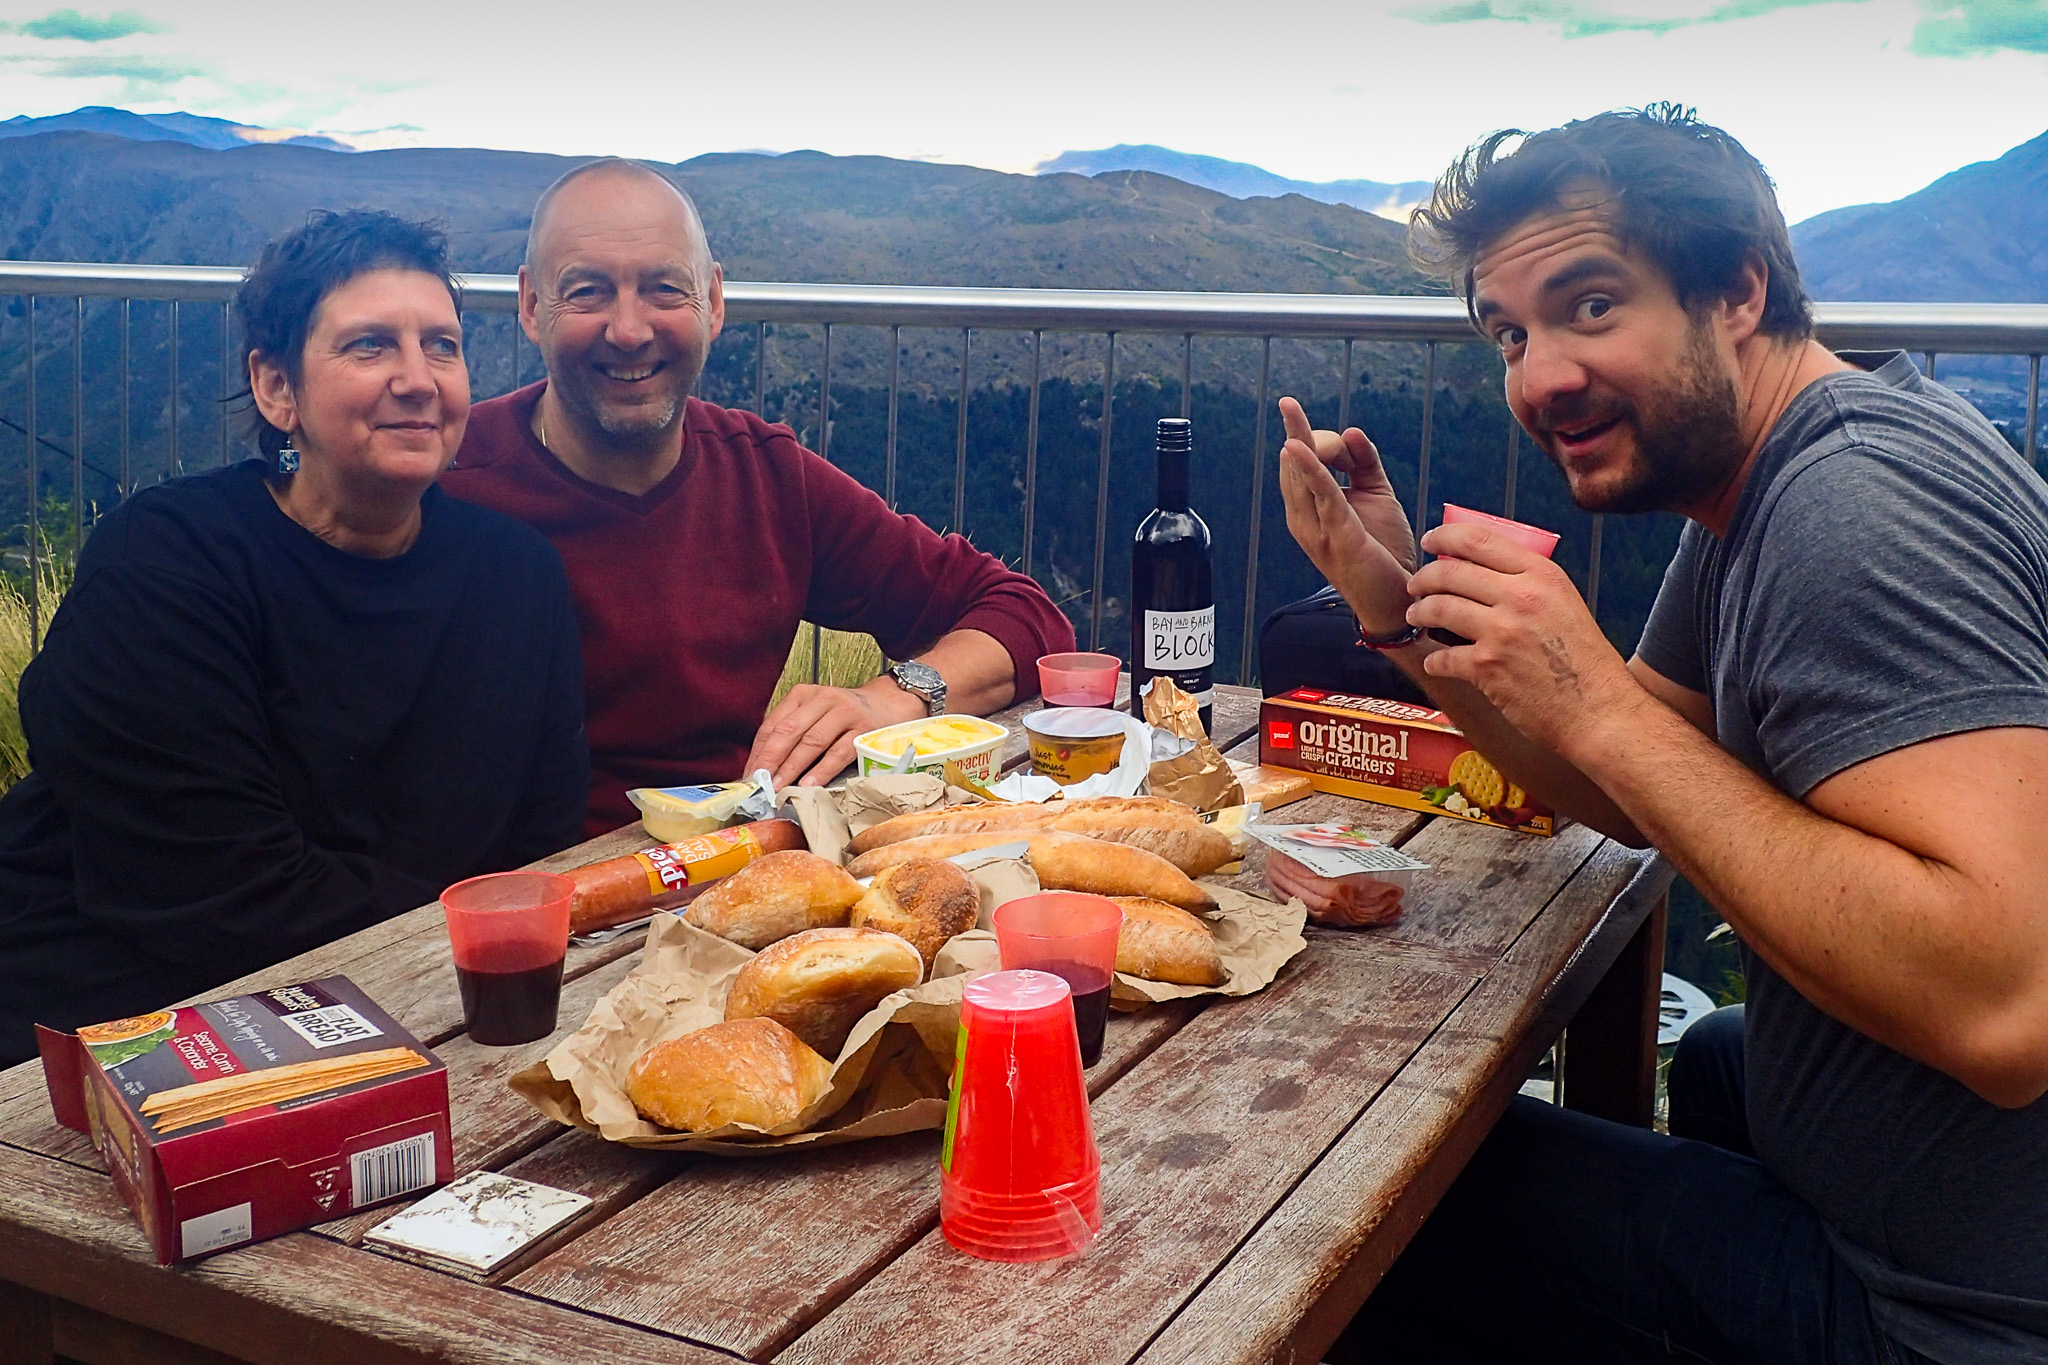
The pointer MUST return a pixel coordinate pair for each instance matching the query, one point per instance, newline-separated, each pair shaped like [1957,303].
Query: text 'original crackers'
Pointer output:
[1392,753]
[239,1119]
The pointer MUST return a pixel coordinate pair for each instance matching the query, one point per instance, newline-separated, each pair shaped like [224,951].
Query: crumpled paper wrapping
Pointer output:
[1199,776]
[1254,937]
[891,1076]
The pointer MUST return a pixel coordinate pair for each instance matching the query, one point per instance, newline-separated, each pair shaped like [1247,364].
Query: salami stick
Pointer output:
[621,890]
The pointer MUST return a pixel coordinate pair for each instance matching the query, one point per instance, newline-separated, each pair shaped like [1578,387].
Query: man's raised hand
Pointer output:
[1359,536]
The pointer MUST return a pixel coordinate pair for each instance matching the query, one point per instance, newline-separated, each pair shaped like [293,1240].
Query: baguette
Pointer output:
[1064,862]
[968,819]
[1166,828]
[1162,942]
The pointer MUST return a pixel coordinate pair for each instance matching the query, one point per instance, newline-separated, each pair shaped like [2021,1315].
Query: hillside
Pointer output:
[1979,234]
[1239,178]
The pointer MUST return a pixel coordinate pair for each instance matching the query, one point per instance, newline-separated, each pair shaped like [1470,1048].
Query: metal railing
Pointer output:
[1932,330]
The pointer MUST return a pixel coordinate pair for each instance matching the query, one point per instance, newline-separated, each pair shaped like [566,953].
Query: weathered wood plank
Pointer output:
[1482,887]
[1198,1143]
[295,1300]
[1293,1284]
[744,1254]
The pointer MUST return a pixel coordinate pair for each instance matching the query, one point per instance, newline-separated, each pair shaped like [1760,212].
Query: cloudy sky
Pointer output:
[1846,101]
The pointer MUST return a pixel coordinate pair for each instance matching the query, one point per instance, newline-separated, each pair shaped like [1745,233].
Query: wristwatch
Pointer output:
[923,682]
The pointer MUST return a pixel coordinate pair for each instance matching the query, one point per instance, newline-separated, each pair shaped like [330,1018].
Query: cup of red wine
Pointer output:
[1072,935]
[1078,679]
[1533,538]
[509,932]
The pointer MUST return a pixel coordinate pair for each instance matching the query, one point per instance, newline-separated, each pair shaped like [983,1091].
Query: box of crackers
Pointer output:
[1394,754]
[235,1120]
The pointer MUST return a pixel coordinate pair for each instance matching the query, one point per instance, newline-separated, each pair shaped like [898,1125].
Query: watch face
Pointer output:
[924,681]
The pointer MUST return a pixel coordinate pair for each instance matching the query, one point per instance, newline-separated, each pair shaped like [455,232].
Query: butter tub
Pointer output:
[973,743]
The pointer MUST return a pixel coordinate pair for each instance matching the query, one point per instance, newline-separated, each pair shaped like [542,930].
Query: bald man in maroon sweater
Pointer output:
[697,538]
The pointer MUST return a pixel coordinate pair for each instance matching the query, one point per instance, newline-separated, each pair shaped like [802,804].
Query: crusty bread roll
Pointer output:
[774,897]
[1064,862]
[1162,942]
[923,900]
[819,983]
[967,819]
[751,1071]
[1157,825]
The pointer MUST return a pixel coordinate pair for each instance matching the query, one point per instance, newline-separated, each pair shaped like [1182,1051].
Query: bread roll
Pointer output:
[819,983]
[1162,942]
[1167,828]
[776,896]
[923,900]
[751,1071]
[1064,862]
[968,819]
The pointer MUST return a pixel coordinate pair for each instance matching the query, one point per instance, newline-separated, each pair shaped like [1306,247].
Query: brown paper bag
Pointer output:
[1254,937]
[1199,777]
[891,1077]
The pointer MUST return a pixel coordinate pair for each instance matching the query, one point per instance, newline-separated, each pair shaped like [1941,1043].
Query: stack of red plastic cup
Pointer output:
[1019,1176]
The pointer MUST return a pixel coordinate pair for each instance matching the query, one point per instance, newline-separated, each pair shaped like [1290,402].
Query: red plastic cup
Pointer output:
[1072,935]
[509,932]
[1529,537]
[1019,1176]
[1078,679]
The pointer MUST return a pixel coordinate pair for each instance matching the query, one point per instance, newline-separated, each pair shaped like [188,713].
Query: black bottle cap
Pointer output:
[1176,433]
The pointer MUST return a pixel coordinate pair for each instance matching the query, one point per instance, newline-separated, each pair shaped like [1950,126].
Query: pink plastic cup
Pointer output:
[1019,1174]
[1533,538]
[509,932]
[1078,679]
[1529,537]
[1072,935]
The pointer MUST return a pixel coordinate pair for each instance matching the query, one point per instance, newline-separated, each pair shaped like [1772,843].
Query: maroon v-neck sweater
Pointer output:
[690,595]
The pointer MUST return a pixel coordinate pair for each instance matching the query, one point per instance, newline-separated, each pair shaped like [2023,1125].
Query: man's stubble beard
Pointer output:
[1687,445]
[638,431]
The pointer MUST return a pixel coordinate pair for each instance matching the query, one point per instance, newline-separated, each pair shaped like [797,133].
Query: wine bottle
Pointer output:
[1173,601]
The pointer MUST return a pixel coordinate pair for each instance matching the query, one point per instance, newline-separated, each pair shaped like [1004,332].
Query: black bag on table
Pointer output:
[1314,643]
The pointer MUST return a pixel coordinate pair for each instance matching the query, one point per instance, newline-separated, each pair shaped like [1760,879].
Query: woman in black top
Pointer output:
[293,697]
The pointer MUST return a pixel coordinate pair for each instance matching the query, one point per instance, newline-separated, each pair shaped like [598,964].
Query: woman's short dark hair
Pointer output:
[276,303]
[1687,195]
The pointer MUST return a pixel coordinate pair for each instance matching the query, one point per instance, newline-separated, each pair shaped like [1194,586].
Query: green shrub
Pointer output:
[20,628]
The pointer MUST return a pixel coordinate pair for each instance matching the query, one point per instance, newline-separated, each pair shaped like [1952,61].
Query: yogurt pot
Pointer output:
[1071,744]
[973,743]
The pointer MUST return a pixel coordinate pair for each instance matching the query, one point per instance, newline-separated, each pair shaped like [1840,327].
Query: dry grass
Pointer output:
[16,651]
[844,660]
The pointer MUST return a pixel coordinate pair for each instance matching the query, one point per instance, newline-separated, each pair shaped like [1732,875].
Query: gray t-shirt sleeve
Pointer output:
[1933,623]
[1670,642]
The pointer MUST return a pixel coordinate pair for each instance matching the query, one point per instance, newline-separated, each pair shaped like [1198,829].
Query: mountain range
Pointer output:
[215,134]
[1241,180]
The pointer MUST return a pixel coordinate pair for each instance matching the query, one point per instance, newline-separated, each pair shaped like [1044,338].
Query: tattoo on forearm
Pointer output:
[1562,671]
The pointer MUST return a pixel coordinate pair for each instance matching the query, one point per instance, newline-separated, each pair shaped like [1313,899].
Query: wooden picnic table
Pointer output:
[1264,1159]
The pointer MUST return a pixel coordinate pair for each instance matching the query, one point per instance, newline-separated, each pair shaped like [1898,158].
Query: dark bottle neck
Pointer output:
[1173,479]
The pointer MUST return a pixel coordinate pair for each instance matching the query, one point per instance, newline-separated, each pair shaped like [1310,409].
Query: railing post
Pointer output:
[1251,559]
[960,440]
[1031,455]
[1344,393]
[889,451]
[226,325]
[1102,490]
[1187,371]
[825,399]
[1593,568]
[77,427]
[1422,457]
[1514,464]
[177,457]
[761,370]
[2033,407]
[127,472]
[35,525]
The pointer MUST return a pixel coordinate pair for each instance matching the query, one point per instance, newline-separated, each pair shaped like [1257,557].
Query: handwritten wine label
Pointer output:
[1180,641]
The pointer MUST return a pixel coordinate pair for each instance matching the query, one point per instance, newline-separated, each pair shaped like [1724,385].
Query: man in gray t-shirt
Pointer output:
[1836,725]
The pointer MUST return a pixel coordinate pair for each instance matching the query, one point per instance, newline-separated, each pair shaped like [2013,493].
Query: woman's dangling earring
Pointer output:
[287,458]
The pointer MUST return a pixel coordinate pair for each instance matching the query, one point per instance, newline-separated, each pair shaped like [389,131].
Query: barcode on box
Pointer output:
[386,1172]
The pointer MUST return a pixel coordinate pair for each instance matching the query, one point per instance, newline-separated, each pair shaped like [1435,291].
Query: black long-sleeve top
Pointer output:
[247,743]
